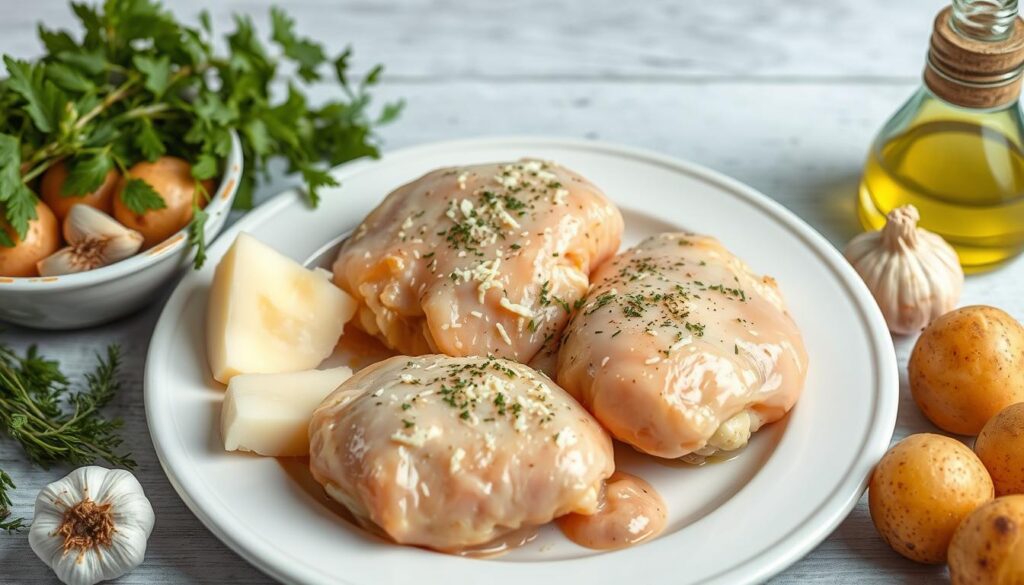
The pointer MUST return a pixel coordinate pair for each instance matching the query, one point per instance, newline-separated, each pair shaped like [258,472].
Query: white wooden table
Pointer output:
[784,95]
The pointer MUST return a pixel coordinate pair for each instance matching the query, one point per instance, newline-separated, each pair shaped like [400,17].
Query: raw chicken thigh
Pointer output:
[449,453]
[681,349]
[478,260]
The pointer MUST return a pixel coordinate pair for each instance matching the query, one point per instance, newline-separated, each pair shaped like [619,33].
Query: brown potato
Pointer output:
[967,366]
[42,239]
[988,547]
[53,181]
[1000,446]
[171,178]
[920,491]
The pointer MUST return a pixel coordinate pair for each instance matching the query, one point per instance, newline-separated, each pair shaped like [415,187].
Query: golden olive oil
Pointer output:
[964,175]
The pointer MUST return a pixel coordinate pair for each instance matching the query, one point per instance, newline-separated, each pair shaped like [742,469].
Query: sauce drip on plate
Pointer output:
[631,512]
[501,545]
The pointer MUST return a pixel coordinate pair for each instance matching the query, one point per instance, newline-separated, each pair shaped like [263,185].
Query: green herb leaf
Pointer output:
[316,179]
[156,70]
[91,22]
[43,100]
[139,196]
[90,62]
[56,41]
[68,78]
[148,141]
[86,174]
[307,54]
[197,235]
[8,524]
[390,112]
[17,202]
[205,167]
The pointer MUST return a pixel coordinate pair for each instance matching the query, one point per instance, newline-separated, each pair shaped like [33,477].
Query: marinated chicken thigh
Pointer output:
[478,260]
[681,349]
[449,453]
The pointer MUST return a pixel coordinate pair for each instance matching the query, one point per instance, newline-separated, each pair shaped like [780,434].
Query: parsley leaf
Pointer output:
[148,141]
[43,99]
[86,174]
[139,196]
[307,54]
[157,72]
[205,168]
[316,179]
[197,235]
[69,79]
[16,200]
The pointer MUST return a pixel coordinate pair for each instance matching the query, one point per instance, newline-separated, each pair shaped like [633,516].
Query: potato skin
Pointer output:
[171,178]
[988,547]
[966,367]
[53,181]
[921,490]
[42,239]
[1000,446]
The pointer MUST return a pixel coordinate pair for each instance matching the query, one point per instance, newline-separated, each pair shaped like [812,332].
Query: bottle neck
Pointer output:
[984,20]
[968,64]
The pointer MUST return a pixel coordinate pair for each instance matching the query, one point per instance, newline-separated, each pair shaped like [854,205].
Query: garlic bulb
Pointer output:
[92,525]
[914,275]
[94,239]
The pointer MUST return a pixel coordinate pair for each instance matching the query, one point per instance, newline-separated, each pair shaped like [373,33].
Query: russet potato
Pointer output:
[988,547]
[966,367]
[1000,446]
[921,490]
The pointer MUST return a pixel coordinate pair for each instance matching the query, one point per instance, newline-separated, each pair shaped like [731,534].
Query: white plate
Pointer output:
[733,522]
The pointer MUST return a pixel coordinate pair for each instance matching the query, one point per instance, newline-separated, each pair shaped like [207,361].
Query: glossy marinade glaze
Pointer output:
[452,453]
[680,349]
[478,260]
[630,511]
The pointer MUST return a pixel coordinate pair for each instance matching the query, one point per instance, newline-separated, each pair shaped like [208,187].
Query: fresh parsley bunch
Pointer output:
[135,84]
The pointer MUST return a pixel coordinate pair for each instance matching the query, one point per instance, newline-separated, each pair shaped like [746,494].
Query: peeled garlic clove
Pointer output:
[914,275]
[84,222]
[63,261]
[95,239]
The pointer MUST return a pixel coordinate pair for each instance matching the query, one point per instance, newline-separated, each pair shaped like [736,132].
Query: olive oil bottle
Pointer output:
[956,149]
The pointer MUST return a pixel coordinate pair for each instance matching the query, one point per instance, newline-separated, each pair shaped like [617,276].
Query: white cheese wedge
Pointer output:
[269,414]
[269,314]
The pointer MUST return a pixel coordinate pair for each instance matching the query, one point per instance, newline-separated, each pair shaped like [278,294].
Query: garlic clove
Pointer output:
[914,275]
[95,239]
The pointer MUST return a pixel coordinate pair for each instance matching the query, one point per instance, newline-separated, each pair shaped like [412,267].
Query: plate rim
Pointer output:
[813,529]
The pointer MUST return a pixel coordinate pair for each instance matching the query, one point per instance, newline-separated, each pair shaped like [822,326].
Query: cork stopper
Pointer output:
[974,73]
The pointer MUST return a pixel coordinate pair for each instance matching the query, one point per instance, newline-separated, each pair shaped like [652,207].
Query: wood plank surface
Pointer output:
[783,95]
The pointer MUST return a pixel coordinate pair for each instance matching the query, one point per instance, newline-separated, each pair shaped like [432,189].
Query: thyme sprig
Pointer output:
[52,423]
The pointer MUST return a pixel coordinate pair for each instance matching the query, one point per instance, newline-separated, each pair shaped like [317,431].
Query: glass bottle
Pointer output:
[956,149]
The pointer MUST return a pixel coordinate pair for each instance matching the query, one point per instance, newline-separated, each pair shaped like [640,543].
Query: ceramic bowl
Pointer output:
[89,298]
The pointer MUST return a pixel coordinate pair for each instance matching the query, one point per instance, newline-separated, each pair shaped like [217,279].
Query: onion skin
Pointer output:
[171,178]
[41,240]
